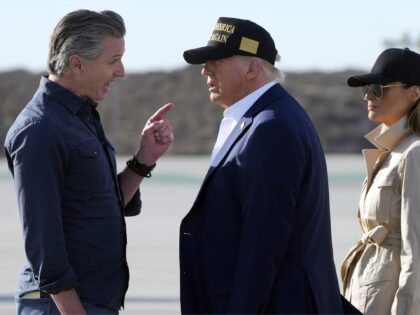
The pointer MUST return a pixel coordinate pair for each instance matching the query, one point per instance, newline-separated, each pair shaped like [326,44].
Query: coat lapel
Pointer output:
[371,157]
[386,142]
[239,129]
[272,94]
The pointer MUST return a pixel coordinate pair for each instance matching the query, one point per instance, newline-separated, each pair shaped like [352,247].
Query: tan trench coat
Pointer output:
[381,273]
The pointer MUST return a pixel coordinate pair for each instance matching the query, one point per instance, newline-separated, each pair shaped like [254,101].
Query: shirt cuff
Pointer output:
[67,282]
[134,206]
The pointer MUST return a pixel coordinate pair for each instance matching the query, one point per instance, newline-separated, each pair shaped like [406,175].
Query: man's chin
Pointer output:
[215,99]
[102,97]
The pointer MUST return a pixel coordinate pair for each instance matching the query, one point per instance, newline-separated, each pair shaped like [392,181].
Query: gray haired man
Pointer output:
[71,199]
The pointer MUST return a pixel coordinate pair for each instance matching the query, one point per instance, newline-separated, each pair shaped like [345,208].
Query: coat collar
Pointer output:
[237,110]
[271,95]
[385,139]
[245,122]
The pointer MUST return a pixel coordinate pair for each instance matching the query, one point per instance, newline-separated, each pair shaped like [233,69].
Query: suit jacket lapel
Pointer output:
[265,99]
[241,128]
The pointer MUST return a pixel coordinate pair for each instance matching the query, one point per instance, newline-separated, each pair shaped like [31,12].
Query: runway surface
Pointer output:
[153,235]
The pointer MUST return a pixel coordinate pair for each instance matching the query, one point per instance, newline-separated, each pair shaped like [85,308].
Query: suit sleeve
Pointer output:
[407,298]
[272,166]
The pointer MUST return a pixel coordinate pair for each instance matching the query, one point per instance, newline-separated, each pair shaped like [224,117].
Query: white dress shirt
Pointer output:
[233,114]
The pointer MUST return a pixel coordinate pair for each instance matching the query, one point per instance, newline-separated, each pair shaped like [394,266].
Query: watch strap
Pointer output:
[140,168]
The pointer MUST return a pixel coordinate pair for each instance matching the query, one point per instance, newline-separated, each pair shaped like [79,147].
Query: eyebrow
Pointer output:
[116,56]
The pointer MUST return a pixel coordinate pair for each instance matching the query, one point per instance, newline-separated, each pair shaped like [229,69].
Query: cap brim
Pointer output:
[203,54]
[365,79]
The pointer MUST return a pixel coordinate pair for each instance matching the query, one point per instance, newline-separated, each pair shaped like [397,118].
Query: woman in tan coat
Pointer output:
[381,273]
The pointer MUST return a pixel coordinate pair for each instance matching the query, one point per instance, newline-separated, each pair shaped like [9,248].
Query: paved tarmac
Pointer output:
[153,235]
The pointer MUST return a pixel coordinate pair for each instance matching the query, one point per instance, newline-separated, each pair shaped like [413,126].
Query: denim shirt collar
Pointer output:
[61,95]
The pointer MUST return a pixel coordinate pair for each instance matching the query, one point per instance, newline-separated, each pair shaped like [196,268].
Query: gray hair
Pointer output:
[272,73]
[81,33]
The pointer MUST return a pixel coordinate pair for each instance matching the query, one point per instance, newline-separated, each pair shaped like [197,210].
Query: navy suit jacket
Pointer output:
[258,237]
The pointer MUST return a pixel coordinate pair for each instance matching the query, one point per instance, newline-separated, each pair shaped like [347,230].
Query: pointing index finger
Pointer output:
[161,112]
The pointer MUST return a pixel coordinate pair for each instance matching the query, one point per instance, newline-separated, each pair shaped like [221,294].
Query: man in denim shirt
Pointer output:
[71,199]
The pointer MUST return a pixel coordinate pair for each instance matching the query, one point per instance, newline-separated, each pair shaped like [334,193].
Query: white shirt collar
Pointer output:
[238,109]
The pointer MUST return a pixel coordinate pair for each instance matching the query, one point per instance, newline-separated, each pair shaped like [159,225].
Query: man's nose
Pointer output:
[120,72]
[206,70]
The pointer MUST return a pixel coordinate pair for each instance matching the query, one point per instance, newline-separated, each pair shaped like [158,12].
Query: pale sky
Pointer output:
[309,34]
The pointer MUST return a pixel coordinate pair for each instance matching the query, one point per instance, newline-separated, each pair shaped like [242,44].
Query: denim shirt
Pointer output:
[70,205]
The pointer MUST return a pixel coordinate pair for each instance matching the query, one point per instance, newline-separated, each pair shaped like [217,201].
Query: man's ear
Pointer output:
[75,63]
[254,69]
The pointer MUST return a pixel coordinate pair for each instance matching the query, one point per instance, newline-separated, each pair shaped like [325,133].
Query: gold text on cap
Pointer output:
[222,27]
[220,38]
[228,28]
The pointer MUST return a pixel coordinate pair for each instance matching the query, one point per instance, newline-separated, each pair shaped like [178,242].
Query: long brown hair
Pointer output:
[413,116]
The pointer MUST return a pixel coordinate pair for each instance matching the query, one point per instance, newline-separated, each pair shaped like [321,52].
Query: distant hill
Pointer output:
[338,112]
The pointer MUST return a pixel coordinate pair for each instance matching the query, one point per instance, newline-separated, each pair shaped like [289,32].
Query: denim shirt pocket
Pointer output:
[88,149]
[88,165]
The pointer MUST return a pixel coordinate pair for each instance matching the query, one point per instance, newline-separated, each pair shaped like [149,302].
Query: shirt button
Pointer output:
[95,153]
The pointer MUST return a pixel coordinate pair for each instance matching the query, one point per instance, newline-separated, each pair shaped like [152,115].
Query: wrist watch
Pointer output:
[140,168]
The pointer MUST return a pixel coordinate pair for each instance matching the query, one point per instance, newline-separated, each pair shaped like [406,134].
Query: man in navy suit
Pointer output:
[258,237]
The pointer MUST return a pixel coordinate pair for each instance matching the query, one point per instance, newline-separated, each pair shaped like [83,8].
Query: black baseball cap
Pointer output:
[233,36]
[393,64]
